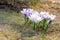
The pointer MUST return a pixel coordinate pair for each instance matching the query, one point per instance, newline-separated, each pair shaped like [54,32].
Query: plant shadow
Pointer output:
[25,30]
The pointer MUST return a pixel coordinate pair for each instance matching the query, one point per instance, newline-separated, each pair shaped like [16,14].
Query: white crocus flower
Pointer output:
[35,18]
[52,17]
[35,12]
[44,14]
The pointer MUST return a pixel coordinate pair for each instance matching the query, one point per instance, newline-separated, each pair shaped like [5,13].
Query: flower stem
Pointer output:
[26,20]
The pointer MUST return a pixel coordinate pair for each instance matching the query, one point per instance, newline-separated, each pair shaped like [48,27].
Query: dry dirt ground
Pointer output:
[12,26]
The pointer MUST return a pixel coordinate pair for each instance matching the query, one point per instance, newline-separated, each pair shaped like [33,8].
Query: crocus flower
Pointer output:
[24,11]
[49,22]
[52,17]
[35,12]
[44,14]
[27,12]
[35,18]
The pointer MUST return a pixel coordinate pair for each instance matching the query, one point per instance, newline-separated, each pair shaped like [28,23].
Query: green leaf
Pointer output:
[45,25]
[35,26]
[29,21]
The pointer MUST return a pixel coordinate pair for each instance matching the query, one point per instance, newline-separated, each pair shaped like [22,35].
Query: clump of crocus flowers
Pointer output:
[38,19]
